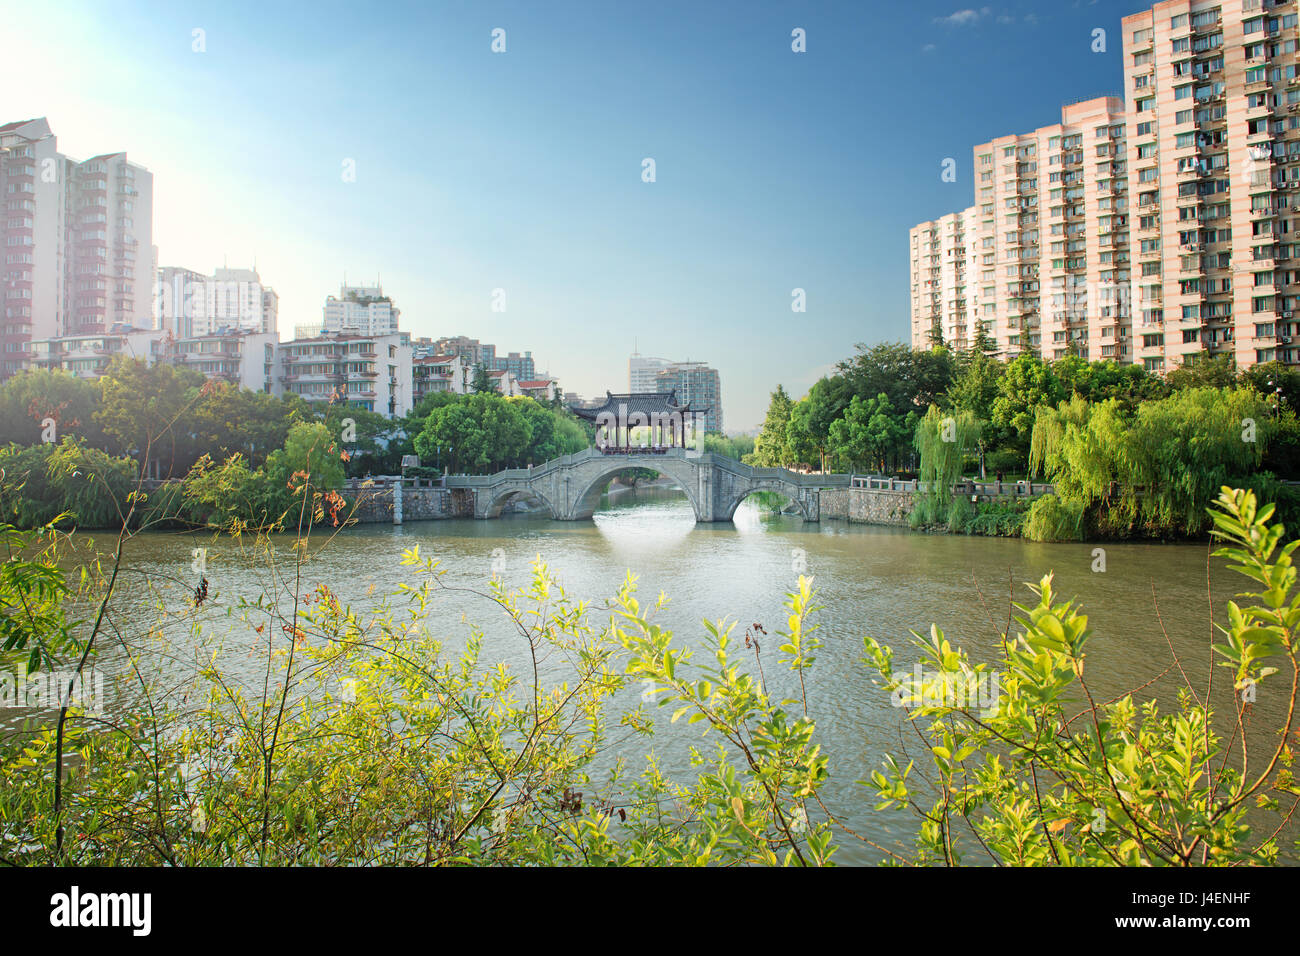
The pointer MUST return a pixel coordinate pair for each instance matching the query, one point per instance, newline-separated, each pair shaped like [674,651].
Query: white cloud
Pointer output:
[963,18]
[928,48]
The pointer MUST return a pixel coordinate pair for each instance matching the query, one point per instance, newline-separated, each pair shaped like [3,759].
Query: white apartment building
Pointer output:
[367,371]
[189,304]
[356,310]
[438,373]
[89,355]
[76,239]
[246,359]
[641,372]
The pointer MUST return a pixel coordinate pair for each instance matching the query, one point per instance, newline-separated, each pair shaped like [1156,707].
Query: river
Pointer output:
[875,580]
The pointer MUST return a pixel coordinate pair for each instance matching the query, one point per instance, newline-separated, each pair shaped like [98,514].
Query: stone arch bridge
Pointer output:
[571,486]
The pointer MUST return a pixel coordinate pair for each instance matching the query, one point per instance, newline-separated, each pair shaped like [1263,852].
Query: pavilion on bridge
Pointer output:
[664,419]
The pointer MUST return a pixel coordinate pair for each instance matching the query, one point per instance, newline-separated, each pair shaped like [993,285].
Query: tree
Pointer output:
[808,430]
[911,378]
[66,483]
[145,409]
[311,454]
[975,389]
[482,381]
[1027,383]
[1275,381]
[771,449]
[943,442]
[1204,370]
[552,433]
[1154,470]
[869,433]
[29,398]
[481,432]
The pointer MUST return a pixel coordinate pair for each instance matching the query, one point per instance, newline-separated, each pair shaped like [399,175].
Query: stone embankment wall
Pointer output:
[874,506]
[375,504]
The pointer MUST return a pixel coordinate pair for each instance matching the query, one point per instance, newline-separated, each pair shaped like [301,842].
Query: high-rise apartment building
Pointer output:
[696,384]
[1051,241]
[1214,154]
[943,301]
[641,372]
[189,303]
[77,241]
[1156,229]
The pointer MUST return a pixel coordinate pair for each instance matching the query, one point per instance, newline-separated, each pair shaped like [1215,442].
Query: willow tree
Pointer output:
[1154,470]
[943,442]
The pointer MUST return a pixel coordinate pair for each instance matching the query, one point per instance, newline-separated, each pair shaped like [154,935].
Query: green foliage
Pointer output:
[870,434]
[807,433]
[772,449]
[1204,371]
[66,484]
[1052,519]
[141,407]
[1027,384]
[483,433]
[482,382]
[32,590]
[996,518]
[230,496]
[944,442]
[392,749]
[739,447]
[309,452]
[913,379]
[30,397]
[1156,469]
[369,742]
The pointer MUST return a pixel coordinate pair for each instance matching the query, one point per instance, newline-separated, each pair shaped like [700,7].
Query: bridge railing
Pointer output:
[636,458]
[983,488]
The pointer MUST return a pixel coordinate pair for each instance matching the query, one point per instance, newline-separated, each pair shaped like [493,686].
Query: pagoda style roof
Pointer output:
[647,403]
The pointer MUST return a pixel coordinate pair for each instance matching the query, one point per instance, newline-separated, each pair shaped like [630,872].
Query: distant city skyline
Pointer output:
[452,171]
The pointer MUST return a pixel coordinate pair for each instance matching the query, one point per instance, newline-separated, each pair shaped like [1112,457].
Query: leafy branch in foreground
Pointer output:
[1049,775]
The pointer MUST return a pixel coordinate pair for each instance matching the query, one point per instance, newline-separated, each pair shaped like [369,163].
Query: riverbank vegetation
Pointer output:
[1129,453]
[369,736]
[71,449]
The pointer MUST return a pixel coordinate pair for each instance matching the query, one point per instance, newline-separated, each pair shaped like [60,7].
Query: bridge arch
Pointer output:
[682,472]
[785,489]
[504,496]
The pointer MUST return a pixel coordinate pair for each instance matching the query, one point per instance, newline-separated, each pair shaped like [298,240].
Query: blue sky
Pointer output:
[522,170]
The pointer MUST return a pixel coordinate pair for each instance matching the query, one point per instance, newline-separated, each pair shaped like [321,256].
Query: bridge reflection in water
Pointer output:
[571,486]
